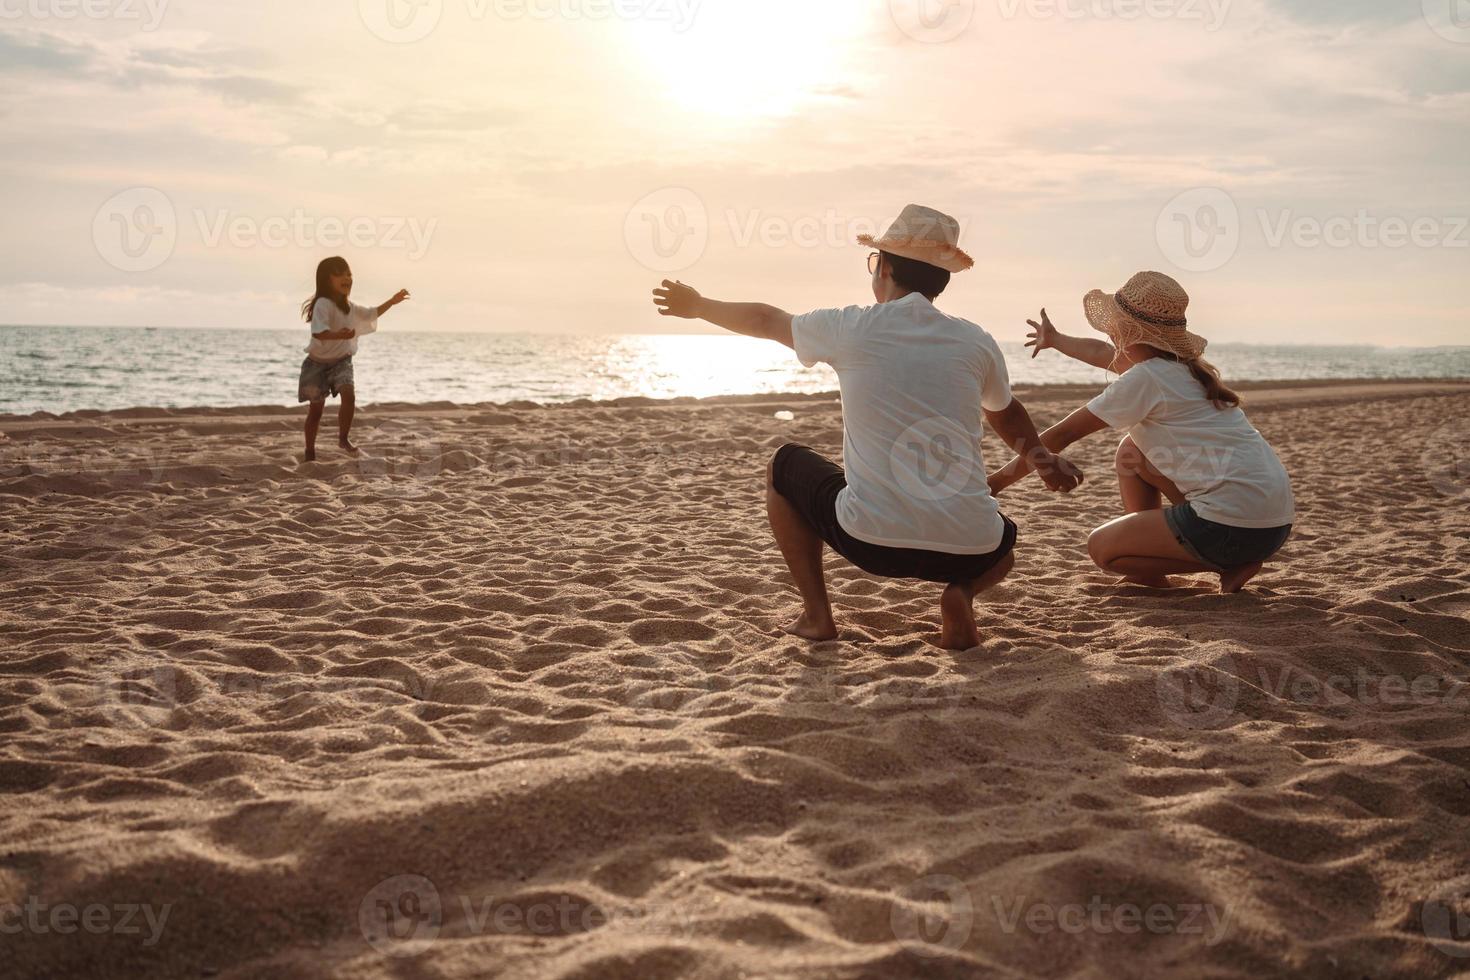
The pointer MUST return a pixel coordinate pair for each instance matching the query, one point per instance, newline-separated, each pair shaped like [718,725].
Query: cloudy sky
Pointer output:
[538,165]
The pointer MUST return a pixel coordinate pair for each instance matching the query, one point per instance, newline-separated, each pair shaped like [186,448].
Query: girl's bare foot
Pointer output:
[348,447]
[957,610]
[1232,580]
[814,628]
[1149,581]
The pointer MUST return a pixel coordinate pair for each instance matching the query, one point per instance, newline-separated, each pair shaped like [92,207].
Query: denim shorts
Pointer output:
[319,380]
[1220,545]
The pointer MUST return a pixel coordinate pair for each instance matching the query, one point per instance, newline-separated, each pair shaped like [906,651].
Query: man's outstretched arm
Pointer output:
[1078,425]
[1013,424]
[749,319]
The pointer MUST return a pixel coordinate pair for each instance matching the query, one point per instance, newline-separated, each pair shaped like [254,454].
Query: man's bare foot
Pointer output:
[957,610]
[347,447]
[814,628]
[1148,581]
[1232,580]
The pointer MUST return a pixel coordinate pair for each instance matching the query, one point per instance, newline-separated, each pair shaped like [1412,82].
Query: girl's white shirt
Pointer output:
[327,318]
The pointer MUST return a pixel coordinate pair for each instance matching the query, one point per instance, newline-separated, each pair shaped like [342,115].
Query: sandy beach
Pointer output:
[508,697]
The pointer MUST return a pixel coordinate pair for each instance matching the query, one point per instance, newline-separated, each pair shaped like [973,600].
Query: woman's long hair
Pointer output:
[325,270]
[1216,390]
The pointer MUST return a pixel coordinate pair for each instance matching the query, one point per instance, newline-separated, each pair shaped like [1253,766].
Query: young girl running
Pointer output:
[335,326]
[1188,440]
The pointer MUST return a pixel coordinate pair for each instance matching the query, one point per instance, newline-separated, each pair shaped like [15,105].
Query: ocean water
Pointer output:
[63,369]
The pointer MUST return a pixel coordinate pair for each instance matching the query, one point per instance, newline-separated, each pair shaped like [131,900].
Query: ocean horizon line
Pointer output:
[594,334]
[1041,390]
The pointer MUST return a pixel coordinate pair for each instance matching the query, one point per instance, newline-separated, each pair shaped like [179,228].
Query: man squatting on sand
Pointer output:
[914,502]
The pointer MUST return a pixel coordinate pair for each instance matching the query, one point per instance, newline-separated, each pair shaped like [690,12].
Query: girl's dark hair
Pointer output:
[919,277]
[325,270]
[1216,390]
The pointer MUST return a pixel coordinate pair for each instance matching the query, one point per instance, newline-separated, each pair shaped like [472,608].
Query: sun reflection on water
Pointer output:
[702,366]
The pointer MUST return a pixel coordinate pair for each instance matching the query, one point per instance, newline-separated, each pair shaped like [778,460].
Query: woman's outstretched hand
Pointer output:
[1043,335]
[677,299]
[398,297]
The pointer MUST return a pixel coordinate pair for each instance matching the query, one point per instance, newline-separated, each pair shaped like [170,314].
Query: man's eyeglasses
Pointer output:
[873,261]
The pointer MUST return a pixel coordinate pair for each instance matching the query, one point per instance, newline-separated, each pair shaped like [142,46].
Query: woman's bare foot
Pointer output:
[348,447]
[310,456]
[1149,581]
[1232,580]
[814,628]
[957,610]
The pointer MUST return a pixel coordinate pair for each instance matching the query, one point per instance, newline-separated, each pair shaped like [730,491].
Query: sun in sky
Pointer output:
[745,59]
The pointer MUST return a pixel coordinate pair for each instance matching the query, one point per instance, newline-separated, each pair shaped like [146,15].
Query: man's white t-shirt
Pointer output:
[326,317]
[1224,467]
[913,384]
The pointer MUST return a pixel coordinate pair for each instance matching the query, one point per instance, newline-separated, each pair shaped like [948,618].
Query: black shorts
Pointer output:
[811,483]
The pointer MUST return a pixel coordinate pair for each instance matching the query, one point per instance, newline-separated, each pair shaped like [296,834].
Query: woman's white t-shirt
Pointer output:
[326,317]
[913,383]
[1224,467]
